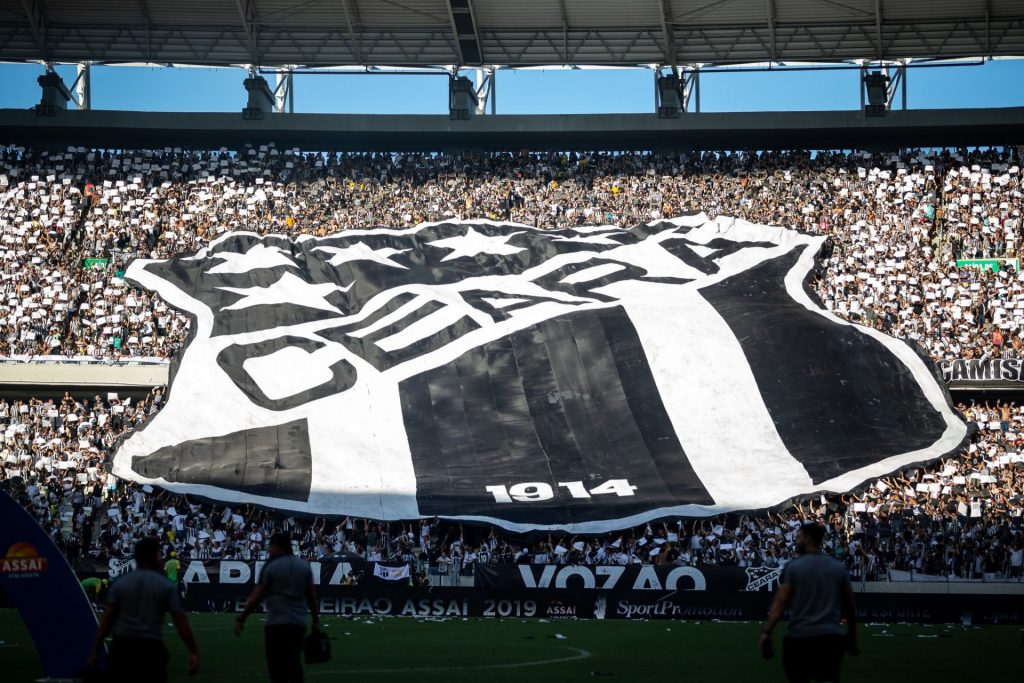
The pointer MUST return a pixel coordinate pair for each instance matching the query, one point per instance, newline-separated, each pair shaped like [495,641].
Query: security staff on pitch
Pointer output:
[817,591]
[134,615]
[287,585]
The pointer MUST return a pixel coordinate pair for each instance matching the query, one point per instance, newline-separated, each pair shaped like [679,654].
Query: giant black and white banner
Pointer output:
[560,591]
[585,379]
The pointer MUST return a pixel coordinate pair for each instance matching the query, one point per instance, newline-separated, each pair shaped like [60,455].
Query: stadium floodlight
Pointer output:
[462,99]
[261,97]
[876,85]
[55,95]
[669,91]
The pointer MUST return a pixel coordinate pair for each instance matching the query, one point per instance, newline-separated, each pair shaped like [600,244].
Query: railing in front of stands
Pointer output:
[86,360]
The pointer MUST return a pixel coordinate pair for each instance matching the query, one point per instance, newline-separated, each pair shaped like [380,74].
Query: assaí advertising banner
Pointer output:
[563,592]
[630,577]
[370,600]
[39,582]
[490,576]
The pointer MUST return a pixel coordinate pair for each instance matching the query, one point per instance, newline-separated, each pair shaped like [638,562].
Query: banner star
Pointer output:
[259,257]
[474,243]
[361,252]
[290,290]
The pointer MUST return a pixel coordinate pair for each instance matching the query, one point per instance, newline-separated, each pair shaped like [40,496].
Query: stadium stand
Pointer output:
[898,223]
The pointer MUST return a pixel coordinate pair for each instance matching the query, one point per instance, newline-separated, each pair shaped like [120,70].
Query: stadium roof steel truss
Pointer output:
[508,33]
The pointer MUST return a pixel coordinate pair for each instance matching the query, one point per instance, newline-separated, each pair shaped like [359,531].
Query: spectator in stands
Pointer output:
[897,222]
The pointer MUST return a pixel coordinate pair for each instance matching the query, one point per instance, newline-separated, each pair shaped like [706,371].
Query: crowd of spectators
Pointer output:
[70,221]
[960,518]
[54,455]
[898,223]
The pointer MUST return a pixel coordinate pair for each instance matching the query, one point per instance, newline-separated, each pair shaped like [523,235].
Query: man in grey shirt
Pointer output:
[287,585]
[817,591]
[134,616]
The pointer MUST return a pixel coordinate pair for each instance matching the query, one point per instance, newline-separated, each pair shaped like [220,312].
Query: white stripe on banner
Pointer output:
[713,400]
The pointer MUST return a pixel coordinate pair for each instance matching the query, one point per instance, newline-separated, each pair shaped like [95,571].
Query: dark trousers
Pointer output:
[284,653]
[817,658]
[136,659]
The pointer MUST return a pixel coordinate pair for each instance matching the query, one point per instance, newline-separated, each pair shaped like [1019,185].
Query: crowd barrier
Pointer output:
[381,600]
[566,591]
[85,360]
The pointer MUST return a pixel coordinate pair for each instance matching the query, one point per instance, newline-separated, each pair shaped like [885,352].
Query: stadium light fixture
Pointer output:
[55,96]
[261,97]
[876,86]
[462,100]
[669,94]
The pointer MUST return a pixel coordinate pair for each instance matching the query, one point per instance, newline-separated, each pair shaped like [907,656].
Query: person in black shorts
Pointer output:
[287,585]
[135,611]
[817,591]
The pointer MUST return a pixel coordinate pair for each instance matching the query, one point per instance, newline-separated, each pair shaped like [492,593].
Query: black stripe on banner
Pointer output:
[570,399]
[270,461]
[839,398]
[648,411]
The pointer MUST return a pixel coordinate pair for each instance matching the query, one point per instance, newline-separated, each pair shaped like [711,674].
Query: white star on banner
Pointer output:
[473,243]
[361,252]
[260,256]
[290,289]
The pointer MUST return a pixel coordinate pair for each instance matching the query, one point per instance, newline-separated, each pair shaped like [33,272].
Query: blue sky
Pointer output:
[995,84]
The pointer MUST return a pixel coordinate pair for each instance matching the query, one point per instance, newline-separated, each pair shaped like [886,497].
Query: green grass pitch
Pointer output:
[406,648]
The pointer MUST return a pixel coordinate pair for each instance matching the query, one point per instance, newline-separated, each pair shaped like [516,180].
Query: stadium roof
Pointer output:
[518,33]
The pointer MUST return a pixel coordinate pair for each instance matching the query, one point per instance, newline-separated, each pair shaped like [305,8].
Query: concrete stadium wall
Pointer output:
[761,130]
[98,375]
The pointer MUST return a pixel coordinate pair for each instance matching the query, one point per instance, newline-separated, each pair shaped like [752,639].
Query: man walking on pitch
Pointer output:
[287,585]
[817,591]
[136,605]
